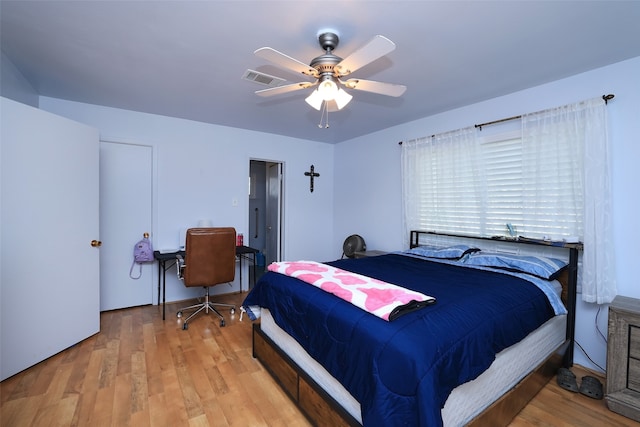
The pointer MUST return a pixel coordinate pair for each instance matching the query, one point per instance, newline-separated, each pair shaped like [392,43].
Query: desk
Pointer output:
[168,259]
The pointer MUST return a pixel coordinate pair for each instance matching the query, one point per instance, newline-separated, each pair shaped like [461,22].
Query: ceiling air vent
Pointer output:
[263,79]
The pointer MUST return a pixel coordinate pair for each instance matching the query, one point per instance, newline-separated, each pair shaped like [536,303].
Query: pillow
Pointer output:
[542,267]
[448,252]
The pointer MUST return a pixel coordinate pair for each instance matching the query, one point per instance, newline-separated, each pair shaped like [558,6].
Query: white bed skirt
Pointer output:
[465,401]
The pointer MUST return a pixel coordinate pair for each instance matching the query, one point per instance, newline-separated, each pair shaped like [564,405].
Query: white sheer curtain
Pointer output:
[552,172]
[582,205]
[557,186]
[440,180]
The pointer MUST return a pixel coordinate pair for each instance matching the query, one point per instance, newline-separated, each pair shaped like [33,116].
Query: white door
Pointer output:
[274,213]
[125,215]
[49,216]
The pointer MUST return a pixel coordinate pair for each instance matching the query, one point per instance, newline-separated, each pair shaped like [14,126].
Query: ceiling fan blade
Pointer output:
[388,89]
[284,89]
[378,47]
[285,61]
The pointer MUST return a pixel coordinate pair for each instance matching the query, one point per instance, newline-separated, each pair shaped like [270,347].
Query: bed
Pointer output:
[492,339]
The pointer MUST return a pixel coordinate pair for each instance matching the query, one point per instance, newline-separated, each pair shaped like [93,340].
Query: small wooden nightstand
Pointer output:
[623,357]
[366,254]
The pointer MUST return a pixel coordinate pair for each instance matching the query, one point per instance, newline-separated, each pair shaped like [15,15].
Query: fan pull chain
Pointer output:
[325,110]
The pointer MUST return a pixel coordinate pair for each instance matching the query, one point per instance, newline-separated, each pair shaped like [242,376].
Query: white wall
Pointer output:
[368,182]
[202,168]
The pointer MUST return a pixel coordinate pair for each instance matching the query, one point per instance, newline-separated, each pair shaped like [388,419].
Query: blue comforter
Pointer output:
[402,371]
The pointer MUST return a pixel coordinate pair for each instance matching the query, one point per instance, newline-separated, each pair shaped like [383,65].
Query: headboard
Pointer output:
[568,279]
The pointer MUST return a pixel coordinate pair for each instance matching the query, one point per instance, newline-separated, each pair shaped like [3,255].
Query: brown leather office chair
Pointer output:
[210,259]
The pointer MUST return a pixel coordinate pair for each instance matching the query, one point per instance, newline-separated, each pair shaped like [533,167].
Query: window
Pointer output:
[504,182]
[476,185]
[550,179]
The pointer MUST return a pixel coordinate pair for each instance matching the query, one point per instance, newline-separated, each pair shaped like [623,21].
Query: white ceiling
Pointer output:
[186,58]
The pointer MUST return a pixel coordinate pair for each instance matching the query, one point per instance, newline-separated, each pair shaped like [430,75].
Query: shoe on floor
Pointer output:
[567,380]
[591,386]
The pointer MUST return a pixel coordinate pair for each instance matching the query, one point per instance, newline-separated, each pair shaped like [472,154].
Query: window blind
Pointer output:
[463,183]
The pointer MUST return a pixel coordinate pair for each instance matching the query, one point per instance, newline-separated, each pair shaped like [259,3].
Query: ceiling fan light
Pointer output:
[328,89]
[342,98]
[315,99]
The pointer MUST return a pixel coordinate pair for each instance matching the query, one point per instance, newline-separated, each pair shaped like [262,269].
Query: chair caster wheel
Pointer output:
[179,314]
[233,310]
[185,326]
[222,323]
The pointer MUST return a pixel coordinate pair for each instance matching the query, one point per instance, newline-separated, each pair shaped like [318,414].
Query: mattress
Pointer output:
[467,400]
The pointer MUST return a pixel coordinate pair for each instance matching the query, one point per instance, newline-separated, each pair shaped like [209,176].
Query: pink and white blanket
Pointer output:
[379,298]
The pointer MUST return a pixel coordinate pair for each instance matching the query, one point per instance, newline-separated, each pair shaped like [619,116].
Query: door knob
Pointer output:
[96,243]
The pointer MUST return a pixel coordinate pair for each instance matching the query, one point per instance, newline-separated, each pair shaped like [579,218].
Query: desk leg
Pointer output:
[159,268]
[240,258]
[164,288]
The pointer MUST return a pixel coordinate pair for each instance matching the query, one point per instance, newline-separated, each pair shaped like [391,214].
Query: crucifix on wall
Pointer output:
[311,174]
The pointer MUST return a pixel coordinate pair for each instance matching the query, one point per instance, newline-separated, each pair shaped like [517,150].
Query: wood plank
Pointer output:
[84,408]
[139,387]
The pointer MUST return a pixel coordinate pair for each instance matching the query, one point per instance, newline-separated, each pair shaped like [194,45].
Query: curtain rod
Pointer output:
[606,98]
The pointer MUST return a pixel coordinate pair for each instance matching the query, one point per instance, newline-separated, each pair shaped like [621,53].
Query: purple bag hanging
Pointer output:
[142,253]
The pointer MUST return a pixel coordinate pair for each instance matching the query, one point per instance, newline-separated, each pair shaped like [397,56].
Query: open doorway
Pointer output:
[265,212]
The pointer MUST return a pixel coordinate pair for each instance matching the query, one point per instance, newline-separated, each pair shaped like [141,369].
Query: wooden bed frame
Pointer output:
[321,409]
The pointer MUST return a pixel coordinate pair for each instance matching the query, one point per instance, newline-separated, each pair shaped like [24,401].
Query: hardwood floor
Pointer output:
[142,371]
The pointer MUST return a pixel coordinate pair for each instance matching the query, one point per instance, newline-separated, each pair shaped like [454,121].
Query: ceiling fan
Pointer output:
[330,70]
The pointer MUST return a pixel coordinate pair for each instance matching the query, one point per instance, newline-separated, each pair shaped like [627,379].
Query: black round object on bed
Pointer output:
[352,244]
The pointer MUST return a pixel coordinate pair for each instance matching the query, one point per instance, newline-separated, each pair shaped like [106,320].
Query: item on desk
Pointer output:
[239,240]
[168,251]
